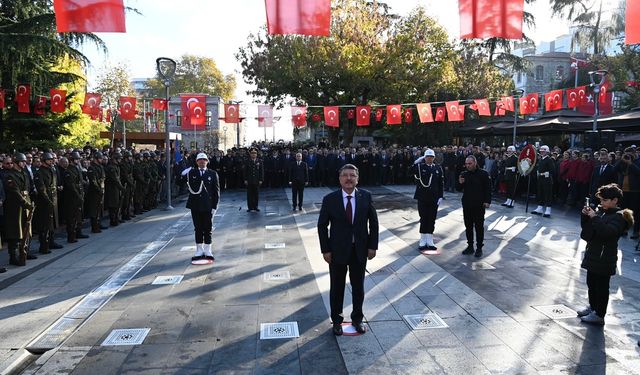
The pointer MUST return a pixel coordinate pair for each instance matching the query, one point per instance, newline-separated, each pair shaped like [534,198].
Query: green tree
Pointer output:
[196,74]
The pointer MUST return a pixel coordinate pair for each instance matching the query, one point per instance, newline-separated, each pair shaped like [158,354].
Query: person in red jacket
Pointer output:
[563,177]
[584,170]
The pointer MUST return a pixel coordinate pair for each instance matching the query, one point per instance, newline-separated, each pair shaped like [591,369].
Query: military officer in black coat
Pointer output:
[510,174]
[95,192]
[204,195]
[113,188]
[253,174]
[46,186]
[544,194]
[298,179]
[429,193]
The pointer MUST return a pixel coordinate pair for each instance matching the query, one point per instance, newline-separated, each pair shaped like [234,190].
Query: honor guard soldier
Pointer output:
[510,174]
[113,189]
[204,195]
[126,178]
[429,193]
[46,202]
[95,192]
[544,195]
[141,184]
[73,192]
[253,172]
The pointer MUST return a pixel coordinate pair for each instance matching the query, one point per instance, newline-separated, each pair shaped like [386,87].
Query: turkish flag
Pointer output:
[588,106]
[198,113]
[299,116]
[364,115]
[265,116]
[186,101]
[379,114]
[232,113]
[316,117]
[632,23]
[455,112]
[89,16]
[524,105]
[332,116]
[604,90]
[500,111]
[159,104]
[440,112]
[553,100]
[394,116]
[2,103]
[127,108]
[91,104]
[483,107]
[508,103]
[408,116]
[41,103]
[424,112]
[576,96]
[534,102]
[350,114]
[58,100]
[308,17]
[491,19]
[23,93]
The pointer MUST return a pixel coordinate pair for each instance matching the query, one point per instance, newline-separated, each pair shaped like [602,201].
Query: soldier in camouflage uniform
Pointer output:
[126,177]
[113,189]
[95,192]
[152,171]
[141,184]
[46,203]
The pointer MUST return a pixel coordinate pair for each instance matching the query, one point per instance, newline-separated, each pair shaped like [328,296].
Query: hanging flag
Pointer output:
[89,16]
[232,113]
[632,23]
[332,116]
[508,103]
[351,114]
[2,103]
[553,100]
[576,96]
[604,90]
[308,17]
[424,112]
[58,100]
[588,106]
[186,102]
[393,114]
[23,94]
[455,112]
[299,116]
[364,115]
[491,19]
[265,116]
[127,108]
[534,102]
[500,111]
[316,117]
[524,105]
[41,103]
[408,116]
[197,113]
[159,104]
[379,114]
[91,104]
[482,107]
[440,112]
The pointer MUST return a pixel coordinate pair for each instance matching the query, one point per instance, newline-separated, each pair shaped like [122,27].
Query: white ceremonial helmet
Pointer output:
[511,148]
[544,148]
[202,155]
[429,152]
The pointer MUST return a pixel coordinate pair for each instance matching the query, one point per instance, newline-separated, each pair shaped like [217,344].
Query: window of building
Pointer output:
[519,77]
[560,72]
[539,73]
[179,118]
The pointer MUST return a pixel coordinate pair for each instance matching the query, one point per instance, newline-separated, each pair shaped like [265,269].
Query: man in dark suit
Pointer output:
[253,172]
[298,179]
[204,195]
[604,174]
[351,239]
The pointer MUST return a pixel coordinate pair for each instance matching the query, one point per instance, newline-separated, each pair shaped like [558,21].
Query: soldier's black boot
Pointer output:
[53,245]
[79,234]
[14,257]
[469,250]
[95,225]
[113,218]
[71,237]
[44,243]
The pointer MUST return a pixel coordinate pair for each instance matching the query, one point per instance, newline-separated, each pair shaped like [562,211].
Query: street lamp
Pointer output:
[166,70]
[224,128]
[517,94]
[597,78]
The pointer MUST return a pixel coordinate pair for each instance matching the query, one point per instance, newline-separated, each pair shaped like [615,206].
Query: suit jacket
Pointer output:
[208,197]
[609,176]
[337,234]
[299,173]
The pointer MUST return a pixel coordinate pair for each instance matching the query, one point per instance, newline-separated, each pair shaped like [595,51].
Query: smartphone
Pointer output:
[586,202]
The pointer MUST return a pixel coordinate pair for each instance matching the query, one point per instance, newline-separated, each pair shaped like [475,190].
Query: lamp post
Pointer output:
[517,94]
[224,128]
[166,69]
[597,78]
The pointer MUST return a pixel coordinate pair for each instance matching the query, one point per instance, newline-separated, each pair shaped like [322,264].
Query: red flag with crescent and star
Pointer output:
[424,112]
[576,96]
[308,17]
[440,114]
[491,19]
[23,95]
[332,116]
[533,101]
[363,117]
[186,103]
[394,116]
[198,113]
[91,103]
[553,100]
[379,114]
[351,114]
[524,105]
[89,16]
[265,116]
[508,103]
[408,116]
[299,116]
[632,22]
[482,106]
[455,111]
[2,99]
[500,111]
[604,90]
[58,100]
[41,104]
[128,108]
[159,104]
[232,113]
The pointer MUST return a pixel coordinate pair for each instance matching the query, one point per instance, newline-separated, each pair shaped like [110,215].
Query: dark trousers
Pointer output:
[474,219]
[450,179]
[510,186]
[252,196]
[598,292]
[428,211]
[297,193]
[202,223]
[338,274]
[544,193]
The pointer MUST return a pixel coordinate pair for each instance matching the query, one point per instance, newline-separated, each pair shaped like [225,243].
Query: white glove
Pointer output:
[418,160]
[546,174]
[213,212]
[184,173]
[512,169]
[439,201]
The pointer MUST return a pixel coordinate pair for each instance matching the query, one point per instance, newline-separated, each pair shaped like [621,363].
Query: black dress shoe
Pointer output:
[44,251]
[422,248]
[337,329]
[299,208]
[31,257]
[249,210]
[429,247]
[360,328]
[209,257]
[81,235]
[257,210]
[469,250]
[55,246]
[293,209]
[197,257]
[478,253]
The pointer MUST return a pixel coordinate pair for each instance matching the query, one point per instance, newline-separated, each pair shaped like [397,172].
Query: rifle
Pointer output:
[25,242]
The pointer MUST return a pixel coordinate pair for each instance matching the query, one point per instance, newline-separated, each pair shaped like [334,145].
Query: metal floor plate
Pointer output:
[277,276]
[425,321]
[134,336]
[556,311]
[275,245]
[284,330]
[167,280]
